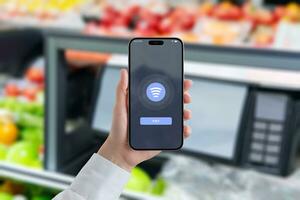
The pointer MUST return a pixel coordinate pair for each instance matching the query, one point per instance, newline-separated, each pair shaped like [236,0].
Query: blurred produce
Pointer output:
[42,13]
[11,187]
[153,18]
[3,151]
[24,153]
[141,182]
[45,9]
[222,32]
[8,133]
[36,75]
[227,11]
[291,12]
[222,24]
[21,191]
[6,196]
[159,187]
[22,119]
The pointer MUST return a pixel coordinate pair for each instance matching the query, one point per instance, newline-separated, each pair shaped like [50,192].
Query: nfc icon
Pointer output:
[156,92]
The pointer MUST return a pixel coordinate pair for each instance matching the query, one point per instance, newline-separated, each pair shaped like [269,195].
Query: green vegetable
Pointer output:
[6,196]
[3,152]
[34,135]
[37,164]
[24,153]
[28,120]
[15,105]
[41,197]
[159,187]
[139,181]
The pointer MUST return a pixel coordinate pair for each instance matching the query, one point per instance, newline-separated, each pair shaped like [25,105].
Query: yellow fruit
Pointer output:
[8,133]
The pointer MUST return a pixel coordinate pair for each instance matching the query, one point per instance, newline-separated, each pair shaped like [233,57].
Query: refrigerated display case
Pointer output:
[254,85]
[21,97]
[245,79]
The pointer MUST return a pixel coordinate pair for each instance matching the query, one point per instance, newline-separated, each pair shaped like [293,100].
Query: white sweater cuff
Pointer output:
[100,179]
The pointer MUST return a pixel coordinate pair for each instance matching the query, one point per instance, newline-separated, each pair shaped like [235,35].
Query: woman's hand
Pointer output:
[116,147]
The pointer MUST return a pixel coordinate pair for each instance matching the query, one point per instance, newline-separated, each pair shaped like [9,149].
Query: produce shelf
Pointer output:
[40,177]
[52,180]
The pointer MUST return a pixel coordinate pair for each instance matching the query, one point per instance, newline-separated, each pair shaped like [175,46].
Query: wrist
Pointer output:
[115,156]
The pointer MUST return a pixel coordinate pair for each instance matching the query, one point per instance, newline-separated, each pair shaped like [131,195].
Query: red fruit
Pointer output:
[41,86]
[109,16]
[279,12]
[107,19]
[111,11]
[35,75]
[178,13]
[187,22]
[133,10]
[264,17]
[143,28]
[166,26]
[12,90]
[30,93]
[123,20]
[150,18]
[227,11]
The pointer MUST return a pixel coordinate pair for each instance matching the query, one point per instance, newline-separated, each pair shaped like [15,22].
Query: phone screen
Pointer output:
[156,93]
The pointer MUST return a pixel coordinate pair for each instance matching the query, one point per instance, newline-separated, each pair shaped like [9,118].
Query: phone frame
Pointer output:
[129,84]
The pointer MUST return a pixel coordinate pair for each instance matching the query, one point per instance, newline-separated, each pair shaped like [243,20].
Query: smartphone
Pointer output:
[155,93]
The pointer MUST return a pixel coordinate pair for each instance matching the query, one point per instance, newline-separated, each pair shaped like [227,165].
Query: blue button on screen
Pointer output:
[156,120]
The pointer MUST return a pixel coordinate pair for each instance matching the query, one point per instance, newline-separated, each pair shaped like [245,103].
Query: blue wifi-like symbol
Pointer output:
[155,91]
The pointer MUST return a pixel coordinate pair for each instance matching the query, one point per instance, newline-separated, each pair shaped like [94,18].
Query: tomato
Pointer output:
[35,75]
[279,12]
[143,28]
[227,11]
[109,16]
[12,90]
[188,21]
[8,133]
[264,17]
[30,93]
[166,26]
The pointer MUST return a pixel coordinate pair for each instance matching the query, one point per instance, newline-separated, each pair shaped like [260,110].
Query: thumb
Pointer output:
[121,93]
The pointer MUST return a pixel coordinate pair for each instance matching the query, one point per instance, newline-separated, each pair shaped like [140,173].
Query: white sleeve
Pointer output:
[98,179]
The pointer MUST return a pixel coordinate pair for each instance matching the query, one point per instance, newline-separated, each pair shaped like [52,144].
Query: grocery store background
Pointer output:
[59,65]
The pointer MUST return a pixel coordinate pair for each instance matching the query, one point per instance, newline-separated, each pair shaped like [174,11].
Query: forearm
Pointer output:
[98,179]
